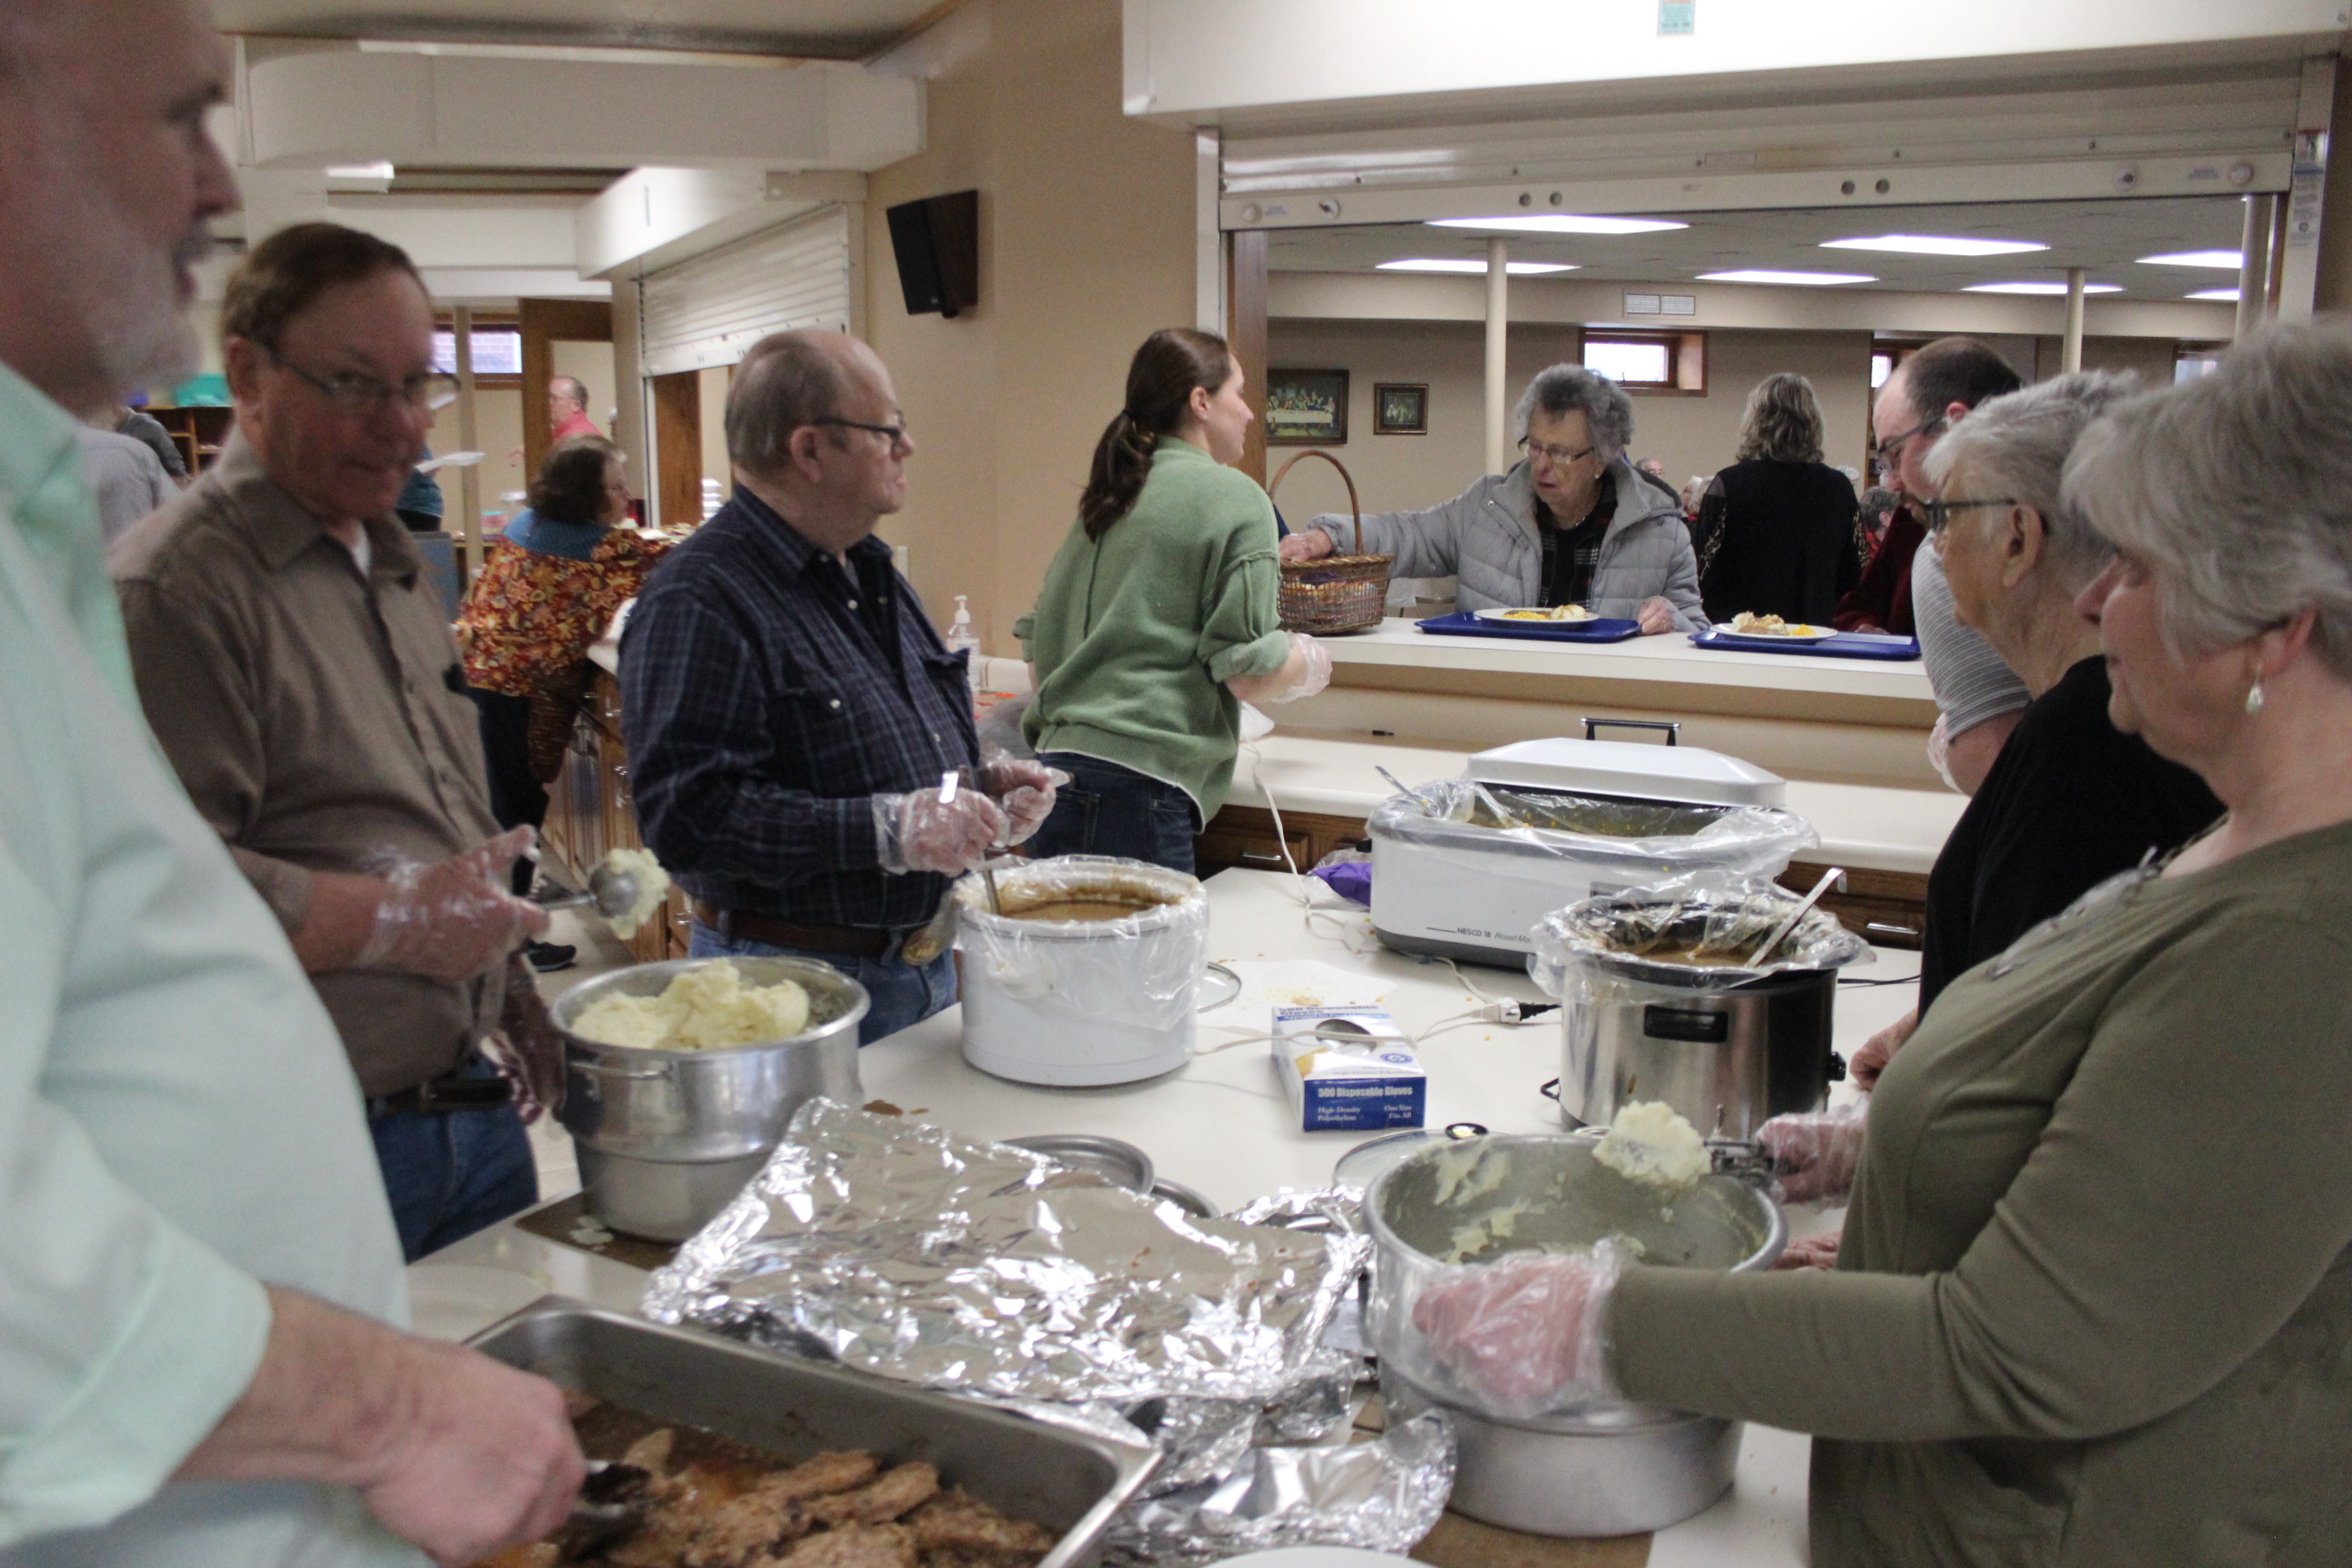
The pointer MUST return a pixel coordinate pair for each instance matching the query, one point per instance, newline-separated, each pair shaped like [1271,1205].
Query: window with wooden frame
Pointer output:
[1657,365]
[497,351]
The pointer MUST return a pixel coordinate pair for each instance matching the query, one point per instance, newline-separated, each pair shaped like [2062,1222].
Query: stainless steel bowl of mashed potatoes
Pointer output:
[680,1078]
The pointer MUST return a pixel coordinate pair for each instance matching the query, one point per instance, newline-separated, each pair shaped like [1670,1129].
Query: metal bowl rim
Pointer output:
[1119,1148]
[581,993]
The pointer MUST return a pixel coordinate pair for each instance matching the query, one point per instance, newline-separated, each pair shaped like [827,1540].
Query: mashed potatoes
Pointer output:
[653,886]
[1651,1144]
[701,1009]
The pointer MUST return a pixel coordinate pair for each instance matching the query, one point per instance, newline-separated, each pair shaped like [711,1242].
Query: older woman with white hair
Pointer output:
[1571,525]
[2096,1287]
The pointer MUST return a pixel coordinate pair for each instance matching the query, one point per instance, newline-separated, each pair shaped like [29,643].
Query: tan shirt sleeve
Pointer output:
[197,682]
[2185,1199]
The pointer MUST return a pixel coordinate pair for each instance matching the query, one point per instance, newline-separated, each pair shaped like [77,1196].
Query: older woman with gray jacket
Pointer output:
[2095,1291]
[1571,524]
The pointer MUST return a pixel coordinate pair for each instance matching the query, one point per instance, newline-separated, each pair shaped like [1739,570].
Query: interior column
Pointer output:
[2070,355]
[1498,321]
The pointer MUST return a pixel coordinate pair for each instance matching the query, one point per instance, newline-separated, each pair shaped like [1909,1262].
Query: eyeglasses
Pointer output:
[1884,451]
[363,396]
[894,434]
[1557,457]
[1939,513]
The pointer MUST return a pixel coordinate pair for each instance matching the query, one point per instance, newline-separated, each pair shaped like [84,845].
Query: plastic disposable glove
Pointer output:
[917,831]
[1023,788]
[1525,1332]
[1814,1156]
[453,919]
[1939,753]
[1820,1251]
[1312,679]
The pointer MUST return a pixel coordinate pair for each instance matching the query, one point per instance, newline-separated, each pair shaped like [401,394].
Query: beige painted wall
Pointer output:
[1086,247]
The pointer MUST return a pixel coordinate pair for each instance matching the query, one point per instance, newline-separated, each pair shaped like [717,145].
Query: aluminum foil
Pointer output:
[914,1253]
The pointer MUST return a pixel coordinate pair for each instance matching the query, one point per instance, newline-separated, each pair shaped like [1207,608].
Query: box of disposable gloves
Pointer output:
[1347,1069]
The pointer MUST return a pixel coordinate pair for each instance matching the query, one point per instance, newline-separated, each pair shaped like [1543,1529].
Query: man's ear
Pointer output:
[241,365]
[802,446]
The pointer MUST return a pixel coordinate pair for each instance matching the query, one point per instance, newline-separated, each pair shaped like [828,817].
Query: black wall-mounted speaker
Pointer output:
[937,242]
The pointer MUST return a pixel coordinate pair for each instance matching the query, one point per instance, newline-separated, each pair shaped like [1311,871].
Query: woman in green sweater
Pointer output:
[1157,619]
[2095,1300]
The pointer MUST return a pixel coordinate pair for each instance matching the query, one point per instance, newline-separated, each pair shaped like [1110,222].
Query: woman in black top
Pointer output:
[1775,532]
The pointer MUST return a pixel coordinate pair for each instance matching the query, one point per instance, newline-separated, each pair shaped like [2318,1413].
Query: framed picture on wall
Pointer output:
[1400,408]
[1306,407]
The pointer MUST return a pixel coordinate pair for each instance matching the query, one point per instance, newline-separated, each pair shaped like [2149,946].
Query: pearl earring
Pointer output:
[2254,697]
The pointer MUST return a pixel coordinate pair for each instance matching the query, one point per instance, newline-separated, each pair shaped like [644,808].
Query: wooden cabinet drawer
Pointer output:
[1888,909]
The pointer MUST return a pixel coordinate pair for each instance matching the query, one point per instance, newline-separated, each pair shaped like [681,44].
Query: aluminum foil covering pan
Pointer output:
[910,1251]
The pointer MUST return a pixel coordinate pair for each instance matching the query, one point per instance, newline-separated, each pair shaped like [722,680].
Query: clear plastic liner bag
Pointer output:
[1695,932]
[1666,837]
[1141,967]
[906,1250]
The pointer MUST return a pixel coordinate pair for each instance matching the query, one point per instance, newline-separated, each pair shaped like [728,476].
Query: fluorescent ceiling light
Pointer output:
[1768,275]
[1935,245]
[2228,260]
[1560,223]
[2045,287]
[2226,296]
[380,170]
[1467,264]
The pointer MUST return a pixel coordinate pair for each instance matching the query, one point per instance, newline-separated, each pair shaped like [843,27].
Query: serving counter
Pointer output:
[1222,1125]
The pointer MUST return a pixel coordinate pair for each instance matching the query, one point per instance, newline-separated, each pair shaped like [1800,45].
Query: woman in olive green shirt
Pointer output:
[2094,1299]
[1158,617]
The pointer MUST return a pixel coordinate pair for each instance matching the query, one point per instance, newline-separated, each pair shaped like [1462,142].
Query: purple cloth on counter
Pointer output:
[1352,882]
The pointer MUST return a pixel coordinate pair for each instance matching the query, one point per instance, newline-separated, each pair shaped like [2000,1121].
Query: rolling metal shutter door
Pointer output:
[709,311]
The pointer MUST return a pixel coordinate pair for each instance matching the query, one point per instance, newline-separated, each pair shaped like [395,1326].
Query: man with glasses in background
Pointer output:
[1573,525]
[295,660]
[800,744]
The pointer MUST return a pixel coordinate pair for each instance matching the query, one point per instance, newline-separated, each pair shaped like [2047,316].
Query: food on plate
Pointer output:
[1749,624]
[1652,1143]
[653,887]
[1556,613]
[701,1010]
[705,1501]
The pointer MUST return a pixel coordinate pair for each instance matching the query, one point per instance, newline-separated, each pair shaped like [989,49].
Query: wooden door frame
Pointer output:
[676,484]
[1246,330]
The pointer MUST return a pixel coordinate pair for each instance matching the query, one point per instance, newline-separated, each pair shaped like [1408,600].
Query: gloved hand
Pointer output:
[1312,679]
[1818,1251]
[1815,1154]
[1525,1332]
[917,831]
[1023,787]
[1939,753]
[453,919]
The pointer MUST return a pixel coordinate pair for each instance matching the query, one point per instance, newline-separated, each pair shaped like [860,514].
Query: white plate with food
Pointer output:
[1556,615]
[1772,628]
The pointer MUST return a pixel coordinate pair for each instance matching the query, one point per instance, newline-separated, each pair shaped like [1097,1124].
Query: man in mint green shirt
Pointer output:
[197,1269]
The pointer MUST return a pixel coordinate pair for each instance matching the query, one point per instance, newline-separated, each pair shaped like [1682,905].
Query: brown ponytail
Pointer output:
[1160,382]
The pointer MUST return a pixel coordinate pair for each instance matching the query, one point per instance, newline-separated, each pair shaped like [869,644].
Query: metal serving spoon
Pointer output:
[612,892]
[1833,876]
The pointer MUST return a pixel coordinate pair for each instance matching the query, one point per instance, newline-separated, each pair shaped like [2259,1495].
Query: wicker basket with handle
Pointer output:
[1338,592]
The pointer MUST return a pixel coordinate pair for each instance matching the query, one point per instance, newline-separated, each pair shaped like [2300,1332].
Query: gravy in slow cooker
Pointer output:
[1078,910]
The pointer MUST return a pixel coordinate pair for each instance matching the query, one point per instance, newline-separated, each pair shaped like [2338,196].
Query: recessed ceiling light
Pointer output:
[1468,264]
[1768,275]
[2226,296]
[2228,259]
[1935,245]
[1560,223]
[2045,287]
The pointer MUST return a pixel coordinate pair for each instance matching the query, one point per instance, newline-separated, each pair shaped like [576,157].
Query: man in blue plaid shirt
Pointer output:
[800,744]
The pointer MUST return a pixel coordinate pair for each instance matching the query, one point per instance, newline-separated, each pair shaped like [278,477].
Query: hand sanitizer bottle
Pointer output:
[959,636]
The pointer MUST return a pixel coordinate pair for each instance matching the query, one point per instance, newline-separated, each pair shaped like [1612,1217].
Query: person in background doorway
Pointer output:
[419,507]
[1875,511]
[1775,532]
[1977,696]
[527,625]
[294,658]
[567,409]
[1158,617]
[148,429]
[125,474]
[198,1276]
[1572,523]
[790,712]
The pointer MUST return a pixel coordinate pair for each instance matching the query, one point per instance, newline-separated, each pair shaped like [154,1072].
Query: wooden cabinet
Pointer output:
[592,811]
[1888,909]
[199,432]
[1243,836]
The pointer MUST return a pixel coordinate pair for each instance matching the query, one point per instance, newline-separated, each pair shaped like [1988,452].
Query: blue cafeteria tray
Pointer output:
[1845,645]
[1463,624]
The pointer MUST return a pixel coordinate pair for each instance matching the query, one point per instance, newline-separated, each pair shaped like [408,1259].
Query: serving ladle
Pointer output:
[1833,876]
[614,893]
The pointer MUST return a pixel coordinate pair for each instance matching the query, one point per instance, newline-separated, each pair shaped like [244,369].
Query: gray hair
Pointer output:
[1782,421]
[786,380]
[2236,490]
[1572,389]
[2017,445]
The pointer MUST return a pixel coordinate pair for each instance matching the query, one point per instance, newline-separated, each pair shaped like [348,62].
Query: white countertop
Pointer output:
[1861,826]
[1222,1125]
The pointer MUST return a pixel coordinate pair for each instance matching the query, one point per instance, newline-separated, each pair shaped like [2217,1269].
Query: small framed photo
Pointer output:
[1400,408]
[1306,407]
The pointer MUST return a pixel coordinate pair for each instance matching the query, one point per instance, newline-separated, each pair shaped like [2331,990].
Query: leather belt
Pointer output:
[443,1094]
[850,941]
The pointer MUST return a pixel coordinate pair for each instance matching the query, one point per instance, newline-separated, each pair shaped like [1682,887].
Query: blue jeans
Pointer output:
[450,1173]
[1106,809]
[902,993]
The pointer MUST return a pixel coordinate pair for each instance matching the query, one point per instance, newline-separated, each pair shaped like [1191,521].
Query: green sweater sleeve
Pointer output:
[1242,634]
[2186,1195]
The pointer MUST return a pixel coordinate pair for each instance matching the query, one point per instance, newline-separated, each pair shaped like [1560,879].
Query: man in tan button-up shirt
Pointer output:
[294,661]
